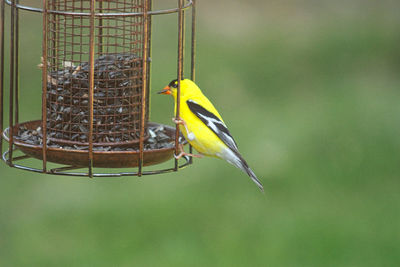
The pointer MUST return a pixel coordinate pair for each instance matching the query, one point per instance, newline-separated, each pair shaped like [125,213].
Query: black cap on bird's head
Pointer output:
[173,83]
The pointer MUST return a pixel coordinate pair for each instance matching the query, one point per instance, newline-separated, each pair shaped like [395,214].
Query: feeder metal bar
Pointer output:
[16,76]
[2,75]
[54,26]
[183,30]
[65,168]
[56,171]
[91,85]
[44,89]
[100,29]
[179,74]
[113,14]
[11,107]
[193,50]
[193,58]
[144,86]
[149,51]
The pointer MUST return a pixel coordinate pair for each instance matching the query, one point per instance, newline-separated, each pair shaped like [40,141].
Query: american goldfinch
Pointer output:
[204,128]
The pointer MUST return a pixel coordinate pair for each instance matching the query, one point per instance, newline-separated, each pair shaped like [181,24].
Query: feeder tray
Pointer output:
[125,157]
[96,66]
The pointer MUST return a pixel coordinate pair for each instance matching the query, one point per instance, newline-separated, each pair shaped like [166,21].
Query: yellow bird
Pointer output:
[204,128]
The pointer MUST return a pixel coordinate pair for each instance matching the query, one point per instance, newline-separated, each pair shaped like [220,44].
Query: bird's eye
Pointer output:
[175,85]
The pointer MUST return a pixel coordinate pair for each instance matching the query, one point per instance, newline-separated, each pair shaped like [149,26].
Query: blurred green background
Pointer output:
[310,90]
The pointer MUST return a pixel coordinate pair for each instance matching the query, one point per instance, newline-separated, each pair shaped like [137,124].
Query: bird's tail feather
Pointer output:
[254,178]
[240,163]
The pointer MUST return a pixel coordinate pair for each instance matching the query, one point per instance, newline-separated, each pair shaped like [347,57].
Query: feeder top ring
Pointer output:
[86,14]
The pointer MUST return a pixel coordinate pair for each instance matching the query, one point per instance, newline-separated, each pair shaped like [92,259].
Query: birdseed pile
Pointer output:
[158,139]
[116,100]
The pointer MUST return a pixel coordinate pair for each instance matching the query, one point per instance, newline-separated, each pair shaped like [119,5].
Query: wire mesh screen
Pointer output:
[117,72]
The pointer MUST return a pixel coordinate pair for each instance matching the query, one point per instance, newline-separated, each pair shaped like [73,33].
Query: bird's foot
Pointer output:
[183,154]
[179,120]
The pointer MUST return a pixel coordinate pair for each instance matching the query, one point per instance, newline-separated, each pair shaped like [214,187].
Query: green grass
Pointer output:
[312,101]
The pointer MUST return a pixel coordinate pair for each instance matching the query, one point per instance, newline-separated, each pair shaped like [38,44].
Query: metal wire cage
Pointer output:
[96,57]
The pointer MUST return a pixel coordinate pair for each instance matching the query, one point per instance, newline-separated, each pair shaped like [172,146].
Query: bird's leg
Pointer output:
[190,135]
[183,153]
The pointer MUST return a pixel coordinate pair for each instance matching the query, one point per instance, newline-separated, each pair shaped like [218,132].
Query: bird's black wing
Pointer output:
[219,128]
[214,123]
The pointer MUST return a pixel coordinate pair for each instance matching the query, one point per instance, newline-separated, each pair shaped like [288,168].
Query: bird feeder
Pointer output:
[96,66]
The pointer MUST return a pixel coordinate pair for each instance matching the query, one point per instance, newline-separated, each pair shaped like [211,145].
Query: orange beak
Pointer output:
[165,91]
